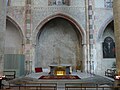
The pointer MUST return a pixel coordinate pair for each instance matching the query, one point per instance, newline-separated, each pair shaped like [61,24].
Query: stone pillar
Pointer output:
[87,51]
[85,64]
[28,42]
[116,12]
[2,33]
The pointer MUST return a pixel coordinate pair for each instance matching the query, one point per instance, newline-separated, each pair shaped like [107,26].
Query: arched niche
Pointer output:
[109,35]
[14,38]
[13,55]
[58,41]
[104,62]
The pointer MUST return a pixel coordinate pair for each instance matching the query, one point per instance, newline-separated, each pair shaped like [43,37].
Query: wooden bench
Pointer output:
[9,74]
[110,73]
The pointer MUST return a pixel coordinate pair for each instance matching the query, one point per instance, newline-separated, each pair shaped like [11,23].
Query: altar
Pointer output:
[61,69]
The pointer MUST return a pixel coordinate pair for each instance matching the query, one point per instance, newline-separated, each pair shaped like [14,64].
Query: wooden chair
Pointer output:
[110,73]
[9,74]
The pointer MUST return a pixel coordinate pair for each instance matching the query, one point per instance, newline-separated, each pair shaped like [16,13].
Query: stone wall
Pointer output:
[58,43]
[17,14]
[13,39]
[101,22]
[17,2]
[2,32]
[40,11]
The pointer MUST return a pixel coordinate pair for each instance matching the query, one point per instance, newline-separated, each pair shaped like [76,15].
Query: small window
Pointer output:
[108,3]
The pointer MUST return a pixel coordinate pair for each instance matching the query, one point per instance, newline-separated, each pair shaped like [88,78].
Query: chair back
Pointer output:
[38,69]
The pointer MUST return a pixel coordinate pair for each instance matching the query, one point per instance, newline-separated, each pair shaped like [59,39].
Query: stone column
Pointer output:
[28,42]
[85,64]
[87,51]
[2,33]
[116,12]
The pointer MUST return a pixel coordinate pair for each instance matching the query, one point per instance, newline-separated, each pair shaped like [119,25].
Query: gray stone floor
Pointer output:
[85,77]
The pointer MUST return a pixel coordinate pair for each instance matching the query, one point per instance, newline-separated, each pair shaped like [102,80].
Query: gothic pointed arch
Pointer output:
[59,36]
[104,25]
[81,31]
[17,26]
[14,47]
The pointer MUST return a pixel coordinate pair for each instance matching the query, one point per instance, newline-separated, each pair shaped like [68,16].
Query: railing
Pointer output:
[34,86]
[68,86]
[93,88]
[90,86]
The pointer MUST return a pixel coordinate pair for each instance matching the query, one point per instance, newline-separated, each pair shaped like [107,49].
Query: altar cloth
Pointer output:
[59,77]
